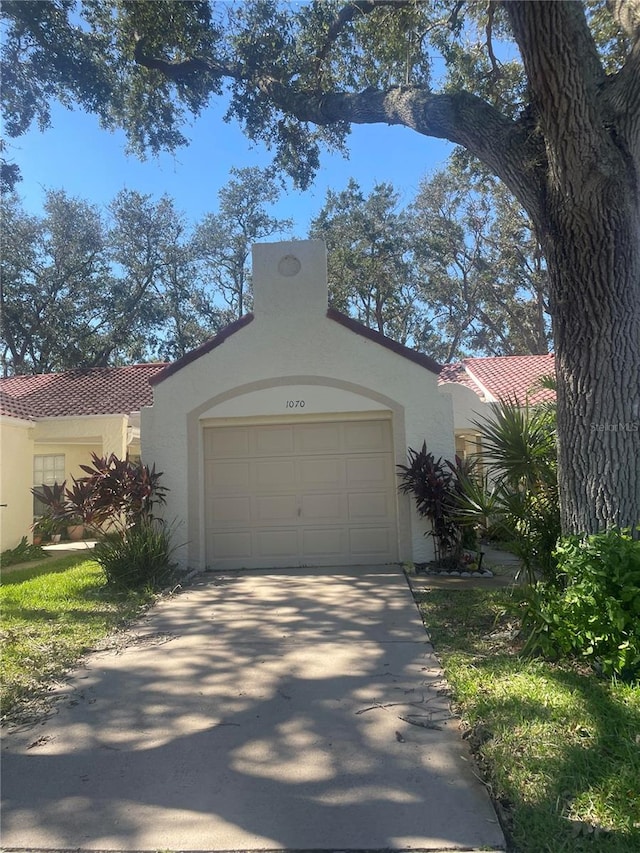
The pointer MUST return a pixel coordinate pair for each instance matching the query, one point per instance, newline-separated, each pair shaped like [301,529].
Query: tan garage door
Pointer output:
[303,494]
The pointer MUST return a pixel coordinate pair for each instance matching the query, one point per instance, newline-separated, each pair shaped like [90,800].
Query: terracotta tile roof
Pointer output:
[91,391]
[457,373]
[504,377]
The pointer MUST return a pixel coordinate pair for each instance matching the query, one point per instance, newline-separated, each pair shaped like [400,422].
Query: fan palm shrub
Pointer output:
[518,492]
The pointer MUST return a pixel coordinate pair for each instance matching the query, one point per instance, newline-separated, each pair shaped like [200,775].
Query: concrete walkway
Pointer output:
[255,711]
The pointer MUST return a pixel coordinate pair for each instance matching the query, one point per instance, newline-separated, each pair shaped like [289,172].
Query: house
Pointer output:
[279,439]
[51,423]
[474,383]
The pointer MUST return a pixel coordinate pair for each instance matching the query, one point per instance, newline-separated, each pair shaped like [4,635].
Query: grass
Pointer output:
[559,747]
[51,615]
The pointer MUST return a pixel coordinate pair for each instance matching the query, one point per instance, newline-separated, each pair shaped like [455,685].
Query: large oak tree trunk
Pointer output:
[588,221]
[594,266]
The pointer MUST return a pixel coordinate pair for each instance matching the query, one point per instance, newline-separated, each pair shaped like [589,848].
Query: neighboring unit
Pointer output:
[474,383]
[51,423]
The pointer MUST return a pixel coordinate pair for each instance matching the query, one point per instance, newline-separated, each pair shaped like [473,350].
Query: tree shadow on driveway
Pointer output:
[255,711]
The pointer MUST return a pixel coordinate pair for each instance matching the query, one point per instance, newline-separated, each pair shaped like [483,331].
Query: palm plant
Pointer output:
[518,494]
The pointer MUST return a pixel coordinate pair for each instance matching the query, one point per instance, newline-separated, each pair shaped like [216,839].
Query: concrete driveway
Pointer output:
[254,711]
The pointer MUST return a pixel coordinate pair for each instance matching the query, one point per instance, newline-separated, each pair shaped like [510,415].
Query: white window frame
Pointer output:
[47,473]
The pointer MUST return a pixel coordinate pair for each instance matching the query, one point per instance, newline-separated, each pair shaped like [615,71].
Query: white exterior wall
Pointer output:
[291,351]
[467,406]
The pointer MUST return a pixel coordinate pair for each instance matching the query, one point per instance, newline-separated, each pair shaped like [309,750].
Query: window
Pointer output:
[47,470]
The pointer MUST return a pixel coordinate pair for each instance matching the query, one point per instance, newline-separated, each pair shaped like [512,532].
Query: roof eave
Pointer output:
[378,338]
[203,349]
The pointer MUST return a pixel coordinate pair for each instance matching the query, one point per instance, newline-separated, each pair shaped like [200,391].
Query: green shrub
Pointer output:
[517,496]
[22,553]
[596,613]
[138,558]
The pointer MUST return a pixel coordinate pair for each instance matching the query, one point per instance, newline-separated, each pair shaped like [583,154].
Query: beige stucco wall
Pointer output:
[291,351]
[104,434]
[16,472]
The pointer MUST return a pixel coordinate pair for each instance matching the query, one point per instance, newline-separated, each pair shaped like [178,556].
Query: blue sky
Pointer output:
[88,162]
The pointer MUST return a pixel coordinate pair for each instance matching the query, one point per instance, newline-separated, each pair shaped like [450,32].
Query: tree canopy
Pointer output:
[546,95]
[82,287]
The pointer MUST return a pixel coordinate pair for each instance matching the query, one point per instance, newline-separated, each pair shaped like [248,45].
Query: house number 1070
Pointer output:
[295,404]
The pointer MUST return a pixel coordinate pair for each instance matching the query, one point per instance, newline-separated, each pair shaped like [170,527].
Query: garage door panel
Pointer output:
[232,545]
[321,473]
[369,506]
[271,475]
[279,542]
[363,436]
[300,494]
[318,438]
[369,542]
[325,542]
[226,442]
[367,471]
[273,441]
[276,508]
[227,477]
[234,511]
[323,507]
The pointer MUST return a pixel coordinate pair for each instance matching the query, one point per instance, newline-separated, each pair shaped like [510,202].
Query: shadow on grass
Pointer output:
[559,746]
[52,615]
[595,769]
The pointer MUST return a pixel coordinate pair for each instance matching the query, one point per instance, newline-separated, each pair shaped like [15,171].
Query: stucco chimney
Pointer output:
[290,278]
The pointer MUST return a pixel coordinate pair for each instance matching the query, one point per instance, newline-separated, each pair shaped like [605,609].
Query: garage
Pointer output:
[279,438]
[300,494]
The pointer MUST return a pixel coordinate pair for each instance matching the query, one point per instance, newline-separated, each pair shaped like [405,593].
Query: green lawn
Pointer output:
[51,615]
[559,747]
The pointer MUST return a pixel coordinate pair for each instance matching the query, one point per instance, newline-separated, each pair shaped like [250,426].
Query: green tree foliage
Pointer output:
[456,272]
[85,289]
[158,306]
[482,273]
[223,240]
[56,284]
[556,121]
[371,276]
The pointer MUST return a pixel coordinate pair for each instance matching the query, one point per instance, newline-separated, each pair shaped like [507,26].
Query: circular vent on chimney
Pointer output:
[289,265]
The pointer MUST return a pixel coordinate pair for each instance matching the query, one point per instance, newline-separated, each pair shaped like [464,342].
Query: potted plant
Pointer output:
[38,532]
[45,529]
[75,528]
